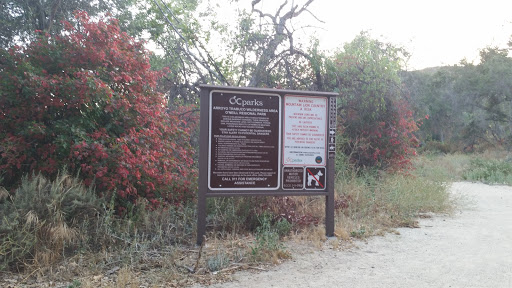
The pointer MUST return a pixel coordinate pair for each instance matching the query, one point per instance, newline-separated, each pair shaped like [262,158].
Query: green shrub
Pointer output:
[267,235]
[75,284]
[218,261]
[489,171]
[282,227]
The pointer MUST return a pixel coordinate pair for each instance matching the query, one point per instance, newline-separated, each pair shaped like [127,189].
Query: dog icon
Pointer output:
[311,178]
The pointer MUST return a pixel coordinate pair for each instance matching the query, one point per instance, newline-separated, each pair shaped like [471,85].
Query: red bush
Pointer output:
[87,100]
[386,142]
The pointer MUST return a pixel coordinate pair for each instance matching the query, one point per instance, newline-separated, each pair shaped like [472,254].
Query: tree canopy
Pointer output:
[377,123]
[22,21]
[468,104]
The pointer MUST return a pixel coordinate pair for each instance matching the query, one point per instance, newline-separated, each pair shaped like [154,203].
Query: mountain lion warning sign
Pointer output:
[305,130]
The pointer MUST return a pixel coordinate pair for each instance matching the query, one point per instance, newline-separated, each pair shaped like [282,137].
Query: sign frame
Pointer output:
[205,152]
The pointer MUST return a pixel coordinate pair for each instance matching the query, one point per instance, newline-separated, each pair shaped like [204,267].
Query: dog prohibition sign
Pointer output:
[315,178]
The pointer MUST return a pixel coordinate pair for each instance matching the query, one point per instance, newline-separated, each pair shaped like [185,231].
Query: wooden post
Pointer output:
[203,165]
[329,200]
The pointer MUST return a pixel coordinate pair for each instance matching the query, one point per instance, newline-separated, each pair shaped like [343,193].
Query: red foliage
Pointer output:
[387,141]
[87,100]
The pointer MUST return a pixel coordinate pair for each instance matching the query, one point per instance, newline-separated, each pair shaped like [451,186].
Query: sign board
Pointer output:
[244,141]
[305,124]
[315,178]
[293,178]
[268,142]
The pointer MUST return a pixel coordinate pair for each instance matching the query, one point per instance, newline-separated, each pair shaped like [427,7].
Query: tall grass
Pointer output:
[441,167]
[61,229]
[39,222]
[379,202]
[50,222]
[46,222]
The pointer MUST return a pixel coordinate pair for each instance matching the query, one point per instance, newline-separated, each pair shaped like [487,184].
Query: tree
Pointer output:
[259,51]
[182,38]
[468,104]
[485,99]
[22,21]
[377,124]
[434,97]
[87,100]
[280,51]
[495,92]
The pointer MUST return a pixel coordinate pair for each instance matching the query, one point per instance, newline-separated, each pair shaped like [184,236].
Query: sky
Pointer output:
[435,32]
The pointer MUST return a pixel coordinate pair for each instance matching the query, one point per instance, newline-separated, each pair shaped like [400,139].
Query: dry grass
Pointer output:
[375,204]
[341,233]
[126,278]
[313,234]
[156,247]
[446,168]
[378,205]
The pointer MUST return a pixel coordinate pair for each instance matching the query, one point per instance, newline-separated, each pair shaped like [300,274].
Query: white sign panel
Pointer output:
[305,130]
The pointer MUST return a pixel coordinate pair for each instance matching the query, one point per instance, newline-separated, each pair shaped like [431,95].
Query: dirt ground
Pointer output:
[471,248]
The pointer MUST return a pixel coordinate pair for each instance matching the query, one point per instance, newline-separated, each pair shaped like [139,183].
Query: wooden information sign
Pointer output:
[266,142]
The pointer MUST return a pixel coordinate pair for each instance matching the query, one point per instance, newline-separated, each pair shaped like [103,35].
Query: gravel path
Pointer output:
[472,248]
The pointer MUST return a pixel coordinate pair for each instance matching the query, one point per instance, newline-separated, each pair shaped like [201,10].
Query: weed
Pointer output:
[490,171]
[267,242]
[282,227]
[359,233]
[75,284]
[218,261]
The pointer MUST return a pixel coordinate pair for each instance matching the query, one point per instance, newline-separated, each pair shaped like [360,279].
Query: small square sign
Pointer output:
[315,178]
[293,178]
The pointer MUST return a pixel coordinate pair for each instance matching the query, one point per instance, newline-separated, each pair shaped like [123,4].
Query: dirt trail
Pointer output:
[472,248]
